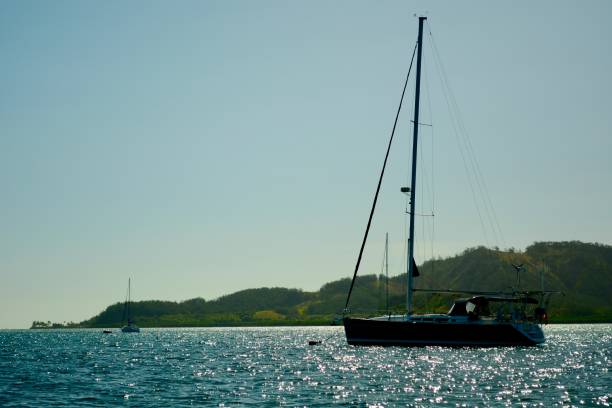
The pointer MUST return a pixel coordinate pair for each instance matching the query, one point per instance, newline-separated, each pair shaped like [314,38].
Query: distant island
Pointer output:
[581,271]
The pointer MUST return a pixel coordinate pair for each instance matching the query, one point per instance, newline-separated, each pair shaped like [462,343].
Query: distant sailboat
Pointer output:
[130,327]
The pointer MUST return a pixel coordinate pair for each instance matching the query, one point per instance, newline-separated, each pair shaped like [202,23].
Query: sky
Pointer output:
[205,147]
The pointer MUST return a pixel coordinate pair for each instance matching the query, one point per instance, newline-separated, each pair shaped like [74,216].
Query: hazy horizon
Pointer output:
[206,147]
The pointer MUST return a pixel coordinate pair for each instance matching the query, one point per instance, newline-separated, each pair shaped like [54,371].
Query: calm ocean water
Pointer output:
[276,366]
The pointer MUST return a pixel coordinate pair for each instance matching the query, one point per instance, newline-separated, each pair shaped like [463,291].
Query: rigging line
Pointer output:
[422,197]
[433,189]
[454,125]
[479,178]
[402,264]
[423,246]
[423,124]
[426,189]
[466,152]
[419,237]
[387,272]
[404,249]
[432,186]
[382,264]
[487,197]
[377,282]
[380,278]
[423,162]
[382,173]
[487,202]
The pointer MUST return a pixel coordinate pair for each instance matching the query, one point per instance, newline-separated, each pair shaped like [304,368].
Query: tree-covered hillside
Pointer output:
[255,306]
[583,272]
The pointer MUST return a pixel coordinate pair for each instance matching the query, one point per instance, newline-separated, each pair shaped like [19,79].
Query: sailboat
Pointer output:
[469,321]
[130,327]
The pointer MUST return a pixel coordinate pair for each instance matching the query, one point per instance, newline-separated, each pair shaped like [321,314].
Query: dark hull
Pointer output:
[130,329]
[367,332]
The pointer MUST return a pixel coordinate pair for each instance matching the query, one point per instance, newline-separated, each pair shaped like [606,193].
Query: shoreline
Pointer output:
[252,325]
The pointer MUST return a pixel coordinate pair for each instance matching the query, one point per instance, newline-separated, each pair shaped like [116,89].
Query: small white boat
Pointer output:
[130,327]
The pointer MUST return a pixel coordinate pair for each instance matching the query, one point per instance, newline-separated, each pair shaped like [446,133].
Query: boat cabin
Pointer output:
[477,306]
[474,306]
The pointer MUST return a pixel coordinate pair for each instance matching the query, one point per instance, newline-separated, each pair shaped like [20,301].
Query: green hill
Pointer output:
[582,271]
